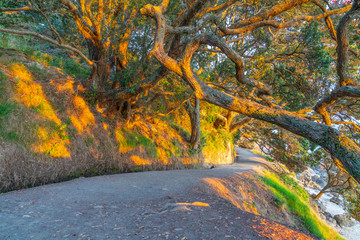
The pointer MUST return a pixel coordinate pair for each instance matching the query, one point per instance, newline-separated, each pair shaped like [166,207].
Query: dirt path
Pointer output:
[130,206]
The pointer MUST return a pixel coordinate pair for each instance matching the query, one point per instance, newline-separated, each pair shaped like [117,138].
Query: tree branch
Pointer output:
[45,38]
[344,91]
[343,44]
[245,121]
[339,145]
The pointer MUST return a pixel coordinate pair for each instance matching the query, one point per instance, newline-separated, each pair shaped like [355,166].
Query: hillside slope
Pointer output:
[51,130]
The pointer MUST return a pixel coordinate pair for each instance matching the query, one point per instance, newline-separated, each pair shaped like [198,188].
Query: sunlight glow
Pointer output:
[197,204]
[140,161]
[32,95]
[83,118]
[219,185]
[52,143]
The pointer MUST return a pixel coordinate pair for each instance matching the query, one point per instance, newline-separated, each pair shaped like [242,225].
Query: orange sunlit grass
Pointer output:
[80,115]
[67,86]
[83,118]
[32,94]
[273,230]
[219,186]
[140,161]
[52,143]
[162,155]
[123,148]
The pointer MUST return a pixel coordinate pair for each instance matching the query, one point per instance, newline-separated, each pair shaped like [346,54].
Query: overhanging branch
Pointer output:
[47,39]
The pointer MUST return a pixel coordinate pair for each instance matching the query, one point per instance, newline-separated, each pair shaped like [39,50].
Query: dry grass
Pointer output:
[52,134]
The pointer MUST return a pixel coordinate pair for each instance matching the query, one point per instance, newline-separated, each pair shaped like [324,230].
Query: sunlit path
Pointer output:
[147,205]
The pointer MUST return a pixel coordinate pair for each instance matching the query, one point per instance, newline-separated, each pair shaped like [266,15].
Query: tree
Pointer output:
[214,35]
[104,28]
[266,60]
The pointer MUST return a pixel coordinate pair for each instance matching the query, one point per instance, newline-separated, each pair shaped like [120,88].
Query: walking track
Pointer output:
[142,205]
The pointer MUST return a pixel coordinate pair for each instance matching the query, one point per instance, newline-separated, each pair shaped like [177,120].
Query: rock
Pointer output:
[309,171]
[181,208]
[321,206]
[306,178]
[328,216]
[335,199]
[208,165]
[319,180]
[343,220]
[312,184]
[314,177]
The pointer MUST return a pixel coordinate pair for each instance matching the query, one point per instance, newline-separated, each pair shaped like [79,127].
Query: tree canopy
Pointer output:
[291,64]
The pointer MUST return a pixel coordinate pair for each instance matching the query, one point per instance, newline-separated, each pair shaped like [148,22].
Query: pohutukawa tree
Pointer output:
[267,60]
[218,31]
[104,28]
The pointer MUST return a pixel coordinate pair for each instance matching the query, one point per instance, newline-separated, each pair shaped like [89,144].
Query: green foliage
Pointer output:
[319,58]
[6,109]
[91,96]
[279,200]
[71,67]
[38,72]
[353,202]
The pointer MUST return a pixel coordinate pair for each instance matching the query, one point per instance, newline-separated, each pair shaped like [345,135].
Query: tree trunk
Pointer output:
[101,69]
[322,191]
[194,114]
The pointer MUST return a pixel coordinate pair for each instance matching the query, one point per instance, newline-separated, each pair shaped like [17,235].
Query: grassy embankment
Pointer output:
[288,194]
[51,130]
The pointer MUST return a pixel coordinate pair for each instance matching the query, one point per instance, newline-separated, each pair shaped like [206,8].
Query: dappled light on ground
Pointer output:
[163,156]
[123,148]
[53,143]
[32,94]
[83,117]
[79,114]
[140,161]
[275,231]
[197,204]
[53,139]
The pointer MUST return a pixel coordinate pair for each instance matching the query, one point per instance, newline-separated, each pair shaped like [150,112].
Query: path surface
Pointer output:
[129,206]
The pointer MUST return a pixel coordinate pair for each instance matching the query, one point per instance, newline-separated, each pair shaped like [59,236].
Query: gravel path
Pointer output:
[141,205]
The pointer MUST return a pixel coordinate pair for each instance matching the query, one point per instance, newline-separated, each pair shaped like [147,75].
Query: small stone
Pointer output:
[181,208]
[335,200]
[343,220]
[321,206]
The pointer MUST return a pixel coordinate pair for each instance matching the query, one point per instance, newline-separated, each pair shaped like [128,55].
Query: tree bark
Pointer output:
[100,72]
[194,114]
